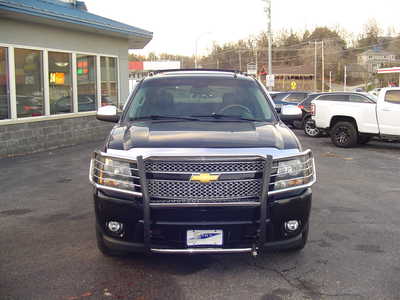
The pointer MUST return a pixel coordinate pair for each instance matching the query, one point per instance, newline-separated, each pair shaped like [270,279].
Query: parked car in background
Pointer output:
[287,98]
[354,118]
[27,106]
[306,122]
[30,106]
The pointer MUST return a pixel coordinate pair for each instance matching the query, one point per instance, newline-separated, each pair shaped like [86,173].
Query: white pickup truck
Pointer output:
[354,118]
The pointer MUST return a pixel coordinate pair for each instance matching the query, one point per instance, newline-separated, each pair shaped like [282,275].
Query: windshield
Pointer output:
[200,97]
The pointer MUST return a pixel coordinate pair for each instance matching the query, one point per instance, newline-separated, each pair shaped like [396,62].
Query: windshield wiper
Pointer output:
[161,117]
[233,117]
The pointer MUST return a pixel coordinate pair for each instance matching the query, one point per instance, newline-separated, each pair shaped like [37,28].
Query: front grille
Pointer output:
[244,186]
[181,191]
[205,166]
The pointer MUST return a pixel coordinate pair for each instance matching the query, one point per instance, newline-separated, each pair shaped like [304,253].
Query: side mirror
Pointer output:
[290,112]
[107,113]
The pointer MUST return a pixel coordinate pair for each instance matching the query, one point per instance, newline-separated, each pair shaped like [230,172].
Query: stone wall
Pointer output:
[24,138]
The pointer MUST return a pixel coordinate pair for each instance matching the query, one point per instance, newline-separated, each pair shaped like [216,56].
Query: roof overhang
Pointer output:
[136,39]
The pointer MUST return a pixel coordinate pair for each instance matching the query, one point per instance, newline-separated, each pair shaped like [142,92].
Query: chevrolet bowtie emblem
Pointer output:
[204,177]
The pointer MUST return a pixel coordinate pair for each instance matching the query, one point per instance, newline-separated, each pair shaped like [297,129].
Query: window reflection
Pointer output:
[29,82]
[60,83]
[4,88]
[109,81]
[86,79]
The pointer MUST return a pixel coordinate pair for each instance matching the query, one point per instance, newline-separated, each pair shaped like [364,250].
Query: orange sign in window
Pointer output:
[57,78]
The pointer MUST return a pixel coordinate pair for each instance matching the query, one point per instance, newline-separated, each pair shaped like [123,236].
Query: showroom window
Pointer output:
[109,80]
[86,80]
[38,82]
[60,82]
[4,85]
[29,82]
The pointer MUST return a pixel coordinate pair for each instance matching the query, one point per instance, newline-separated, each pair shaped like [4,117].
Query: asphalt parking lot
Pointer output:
[48,248]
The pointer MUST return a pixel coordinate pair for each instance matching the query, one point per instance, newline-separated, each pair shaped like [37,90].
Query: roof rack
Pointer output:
[193,69]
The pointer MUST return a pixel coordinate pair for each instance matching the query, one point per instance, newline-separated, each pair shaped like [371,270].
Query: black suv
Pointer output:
[199,162]
[306,121]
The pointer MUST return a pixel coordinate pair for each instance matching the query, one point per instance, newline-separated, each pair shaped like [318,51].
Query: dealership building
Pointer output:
[58,64]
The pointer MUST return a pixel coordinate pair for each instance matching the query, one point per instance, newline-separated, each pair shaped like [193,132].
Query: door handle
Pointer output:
[386,109]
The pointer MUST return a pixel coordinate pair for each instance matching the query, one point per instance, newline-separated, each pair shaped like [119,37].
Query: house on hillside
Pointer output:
[375,58]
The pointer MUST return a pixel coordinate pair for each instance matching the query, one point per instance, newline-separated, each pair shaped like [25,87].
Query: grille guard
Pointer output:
[263,199]
[139,194]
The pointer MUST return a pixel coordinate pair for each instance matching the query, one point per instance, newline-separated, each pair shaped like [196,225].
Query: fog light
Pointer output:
[115,227]
[292,225]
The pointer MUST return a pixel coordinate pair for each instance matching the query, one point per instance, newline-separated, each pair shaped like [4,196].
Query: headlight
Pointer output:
[115,174]
[293,172]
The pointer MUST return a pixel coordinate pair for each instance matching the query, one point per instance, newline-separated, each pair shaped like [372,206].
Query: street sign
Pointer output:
[293,85]
[251,69]
[270,82]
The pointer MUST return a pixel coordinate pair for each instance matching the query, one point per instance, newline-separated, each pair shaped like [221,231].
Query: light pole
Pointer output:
[323,66]
[195,47]
[269,23]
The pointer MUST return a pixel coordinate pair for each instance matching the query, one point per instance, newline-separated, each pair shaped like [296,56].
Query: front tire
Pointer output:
[310,129]
[344,135]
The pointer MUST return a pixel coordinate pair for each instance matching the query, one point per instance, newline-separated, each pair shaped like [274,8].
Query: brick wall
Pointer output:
[24,138]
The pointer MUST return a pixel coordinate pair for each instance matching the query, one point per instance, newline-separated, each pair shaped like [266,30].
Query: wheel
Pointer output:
[363,139]
[310,129]
[105,249]
[344,135]
[302,243]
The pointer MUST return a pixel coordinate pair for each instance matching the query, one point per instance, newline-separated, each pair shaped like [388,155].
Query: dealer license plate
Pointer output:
[204,237]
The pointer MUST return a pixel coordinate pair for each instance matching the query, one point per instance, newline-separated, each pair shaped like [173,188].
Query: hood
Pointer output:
[161,134]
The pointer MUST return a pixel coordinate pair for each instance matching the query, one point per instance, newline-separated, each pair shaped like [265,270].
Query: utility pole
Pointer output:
[323,66]
[240,60]
[269,4]
[257,64]
[195,57]
[269,23]
[345,78]
[330,81]
[269,19]
[315,66]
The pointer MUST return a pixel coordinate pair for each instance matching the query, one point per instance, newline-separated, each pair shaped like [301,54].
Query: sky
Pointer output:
[178,24]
